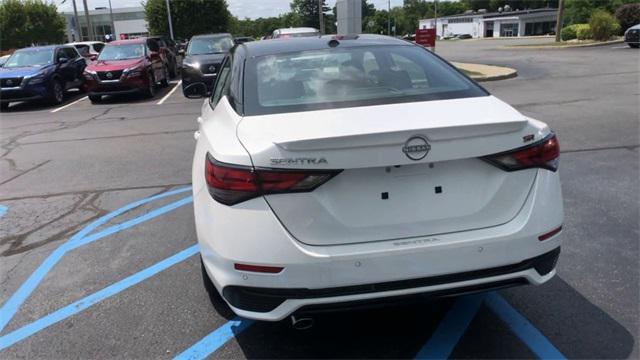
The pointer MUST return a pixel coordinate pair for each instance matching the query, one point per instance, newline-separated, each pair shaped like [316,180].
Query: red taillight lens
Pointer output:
[231,184]
[543,154]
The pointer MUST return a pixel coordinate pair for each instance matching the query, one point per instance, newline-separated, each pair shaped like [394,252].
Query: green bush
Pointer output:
[576,31]
[568,33]
[603,25]
[583,32]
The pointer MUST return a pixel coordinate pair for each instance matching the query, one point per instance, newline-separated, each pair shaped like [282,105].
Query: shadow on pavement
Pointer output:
[574,325]
[39,105]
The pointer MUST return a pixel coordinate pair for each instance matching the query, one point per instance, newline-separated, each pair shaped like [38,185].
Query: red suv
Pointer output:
[126,66]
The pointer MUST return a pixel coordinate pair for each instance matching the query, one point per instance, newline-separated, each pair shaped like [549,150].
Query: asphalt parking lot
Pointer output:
[97,255]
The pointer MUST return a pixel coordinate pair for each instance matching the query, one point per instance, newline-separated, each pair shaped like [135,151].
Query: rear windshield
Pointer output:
[348,77]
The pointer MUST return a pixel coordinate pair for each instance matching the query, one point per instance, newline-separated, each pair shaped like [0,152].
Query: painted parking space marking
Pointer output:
[88,301]
[169,93]
[520,326]
[11,306]
[70,104]
[451,328]
[212,342]
[3,210]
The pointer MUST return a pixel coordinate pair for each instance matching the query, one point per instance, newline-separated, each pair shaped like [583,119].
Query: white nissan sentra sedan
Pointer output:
[331,171]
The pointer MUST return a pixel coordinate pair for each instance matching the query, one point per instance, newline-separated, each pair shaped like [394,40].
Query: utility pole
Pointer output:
[169,17]
[113,24]
[559,20]
[389,18]
[89,27]
[321,16]
[435,15]
[76,22]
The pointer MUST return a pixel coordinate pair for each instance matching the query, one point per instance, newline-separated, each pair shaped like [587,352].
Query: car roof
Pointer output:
[85,43]
[637,26]
[129,41]
[211,35]
[279,46]
[297,30]
[38,48]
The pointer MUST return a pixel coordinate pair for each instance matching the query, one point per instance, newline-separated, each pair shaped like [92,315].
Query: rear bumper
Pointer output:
[504,255]
[262,300]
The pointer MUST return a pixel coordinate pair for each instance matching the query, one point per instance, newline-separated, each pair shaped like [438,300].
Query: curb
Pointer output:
[557,47]
[495,73]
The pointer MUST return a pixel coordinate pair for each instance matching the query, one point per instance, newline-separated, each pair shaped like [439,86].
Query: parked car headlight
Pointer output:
[134,71]
[193,65]
[40,77]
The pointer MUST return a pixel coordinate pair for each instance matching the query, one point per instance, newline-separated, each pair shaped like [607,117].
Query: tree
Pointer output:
[189,17]
[628,15]
[309,12]
[23,23]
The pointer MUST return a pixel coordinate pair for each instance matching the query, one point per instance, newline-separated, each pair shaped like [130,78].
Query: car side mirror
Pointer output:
[63,60]
[196,90]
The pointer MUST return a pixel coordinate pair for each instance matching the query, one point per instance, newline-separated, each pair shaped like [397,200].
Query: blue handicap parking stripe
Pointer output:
[212,342]
[11,306]
[451,328]
[86,302]
[3,210]
[531,336]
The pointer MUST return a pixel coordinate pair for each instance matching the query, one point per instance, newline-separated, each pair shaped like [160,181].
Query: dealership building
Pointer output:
[128,22]
[505,23]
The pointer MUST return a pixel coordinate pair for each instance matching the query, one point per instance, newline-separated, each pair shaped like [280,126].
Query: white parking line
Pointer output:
[619,47]
[169,94]
[66,106]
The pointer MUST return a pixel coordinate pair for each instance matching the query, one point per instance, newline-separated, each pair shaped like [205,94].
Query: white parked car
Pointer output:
[332,170]
[89,49]
[295,32]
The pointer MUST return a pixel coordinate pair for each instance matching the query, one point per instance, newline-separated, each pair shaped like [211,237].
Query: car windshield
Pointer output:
[122,52]
[356,76]
[30,58]
[209,45]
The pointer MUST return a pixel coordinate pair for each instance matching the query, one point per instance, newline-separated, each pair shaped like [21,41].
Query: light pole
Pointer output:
[169,17]
[389,18]
[89,27]
[321,16]
[76,22]
[113,24]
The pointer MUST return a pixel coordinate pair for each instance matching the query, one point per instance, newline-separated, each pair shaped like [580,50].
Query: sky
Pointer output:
[240,8]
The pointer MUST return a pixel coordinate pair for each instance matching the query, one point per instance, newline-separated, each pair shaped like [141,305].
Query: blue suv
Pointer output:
[40,73]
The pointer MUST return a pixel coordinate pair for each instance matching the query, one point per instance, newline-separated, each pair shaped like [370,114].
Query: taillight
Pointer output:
[231,184]
[543,154]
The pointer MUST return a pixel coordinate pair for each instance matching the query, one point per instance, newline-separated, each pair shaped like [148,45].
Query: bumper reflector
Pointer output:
[258,268]
[551,233]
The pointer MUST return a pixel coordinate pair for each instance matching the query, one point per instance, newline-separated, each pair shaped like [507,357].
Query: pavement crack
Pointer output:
[23,172]
[108,137]
[79,192]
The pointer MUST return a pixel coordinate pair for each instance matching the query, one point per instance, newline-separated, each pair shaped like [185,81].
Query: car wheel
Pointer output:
[4,106]
[151,88]
[57,92]
[165,81]
[635,46]
[95,98]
